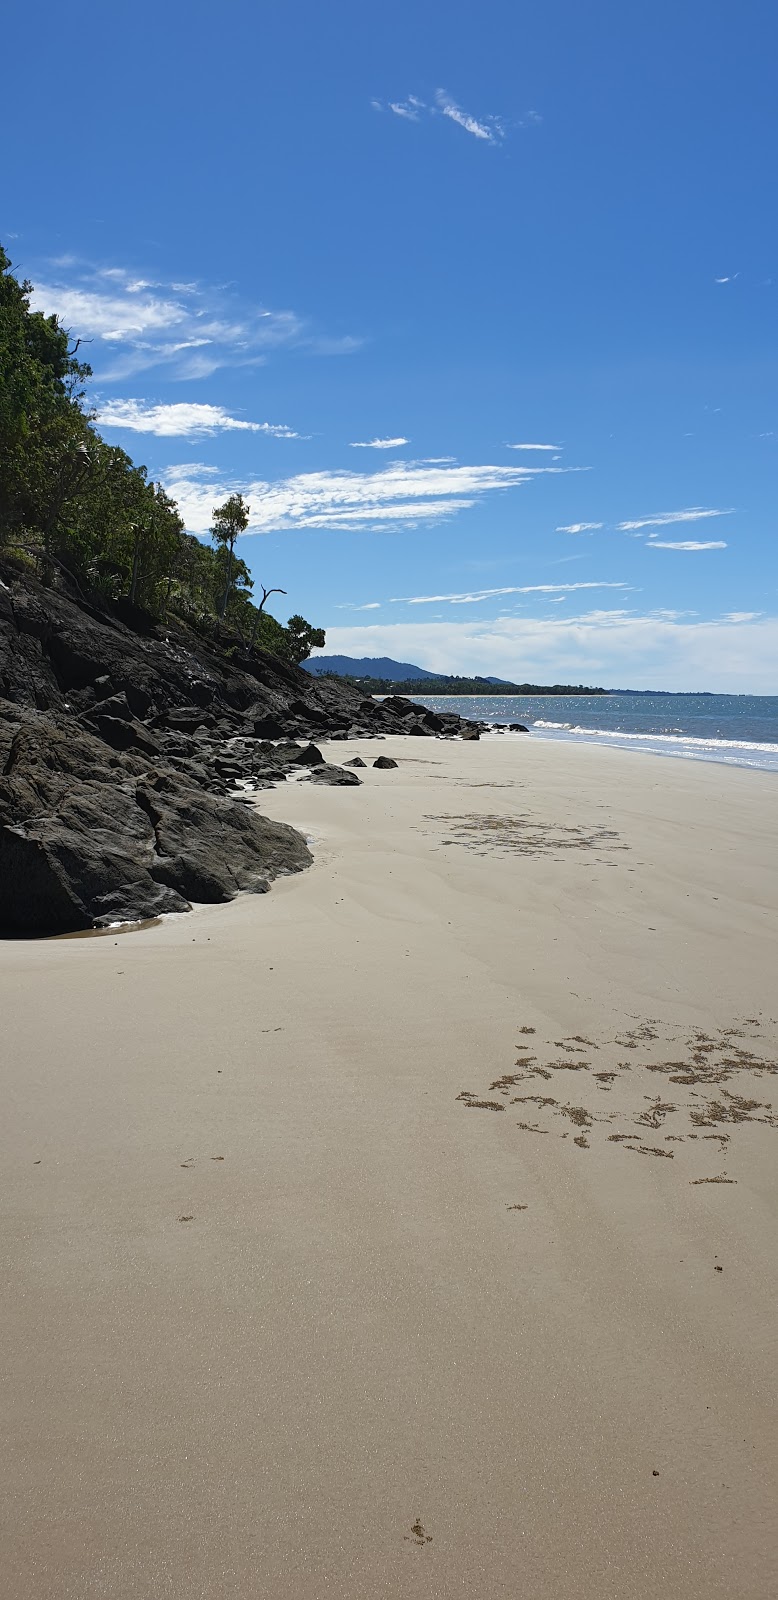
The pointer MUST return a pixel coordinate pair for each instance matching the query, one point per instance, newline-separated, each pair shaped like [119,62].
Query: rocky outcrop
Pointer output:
[128,749]
[90,836]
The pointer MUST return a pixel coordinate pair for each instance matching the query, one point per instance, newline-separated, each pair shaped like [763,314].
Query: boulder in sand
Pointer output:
[91,836]
[333,775]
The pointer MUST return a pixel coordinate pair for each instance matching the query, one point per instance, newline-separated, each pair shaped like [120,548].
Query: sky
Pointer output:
[475,304]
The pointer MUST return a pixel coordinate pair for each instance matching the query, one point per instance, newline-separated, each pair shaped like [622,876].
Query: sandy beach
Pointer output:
[408,1232]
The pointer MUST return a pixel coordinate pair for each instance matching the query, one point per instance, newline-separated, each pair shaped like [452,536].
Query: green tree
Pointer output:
[302,638]
[44,434]
[229,520]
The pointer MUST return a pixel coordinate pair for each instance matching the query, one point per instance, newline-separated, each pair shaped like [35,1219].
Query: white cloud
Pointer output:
[186,419]
[378,444]
[663,519]
[476,595]
[190,329]
[401,492]
[686,544]
[580,527]
[598,648]
[409,108]
[730,279]
[533,447]
[372,605]
[490,129]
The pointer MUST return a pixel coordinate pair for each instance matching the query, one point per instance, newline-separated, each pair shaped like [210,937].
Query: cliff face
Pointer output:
[121,743]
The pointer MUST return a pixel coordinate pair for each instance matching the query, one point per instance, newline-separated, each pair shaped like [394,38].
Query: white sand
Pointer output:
[354,1331]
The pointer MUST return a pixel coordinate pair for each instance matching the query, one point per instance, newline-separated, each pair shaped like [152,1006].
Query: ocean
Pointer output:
[737,729]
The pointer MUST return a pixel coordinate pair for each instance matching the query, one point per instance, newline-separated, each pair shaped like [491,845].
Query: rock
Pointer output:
[120,736]
[186,719]
[126,735]
[88,836]
[399,706]
[384,762]
[517,727]
[268,728]
[356,761]
[333,775]
[309,756]
[469,732]
[136,902]
[115,705]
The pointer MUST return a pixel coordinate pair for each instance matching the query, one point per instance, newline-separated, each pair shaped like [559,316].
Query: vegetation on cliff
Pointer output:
[70,503]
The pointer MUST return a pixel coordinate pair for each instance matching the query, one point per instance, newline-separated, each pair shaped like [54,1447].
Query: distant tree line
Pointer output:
[419,687]
[72,504]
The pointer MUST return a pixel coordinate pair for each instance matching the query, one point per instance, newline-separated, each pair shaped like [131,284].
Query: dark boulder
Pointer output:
[333,776]
[384,763]
[399,706]
[88,835]
[126,734]
[309,756]
[517,727]
[356,761]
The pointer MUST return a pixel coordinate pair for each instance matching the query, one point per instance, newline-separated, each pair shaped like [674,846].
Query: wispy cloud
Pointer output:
[603,647]
[663,519]
[489,129]
[730,279]
[476,595]
[409,108]
[686,544]
[192,330]
[182,420]
[400,494]
[579,527]
[533,447]
[347,605]
[378,444]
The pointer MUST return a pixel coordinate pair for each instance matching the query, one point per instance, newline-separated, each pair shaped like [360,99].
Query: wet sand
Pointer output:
[408,1231]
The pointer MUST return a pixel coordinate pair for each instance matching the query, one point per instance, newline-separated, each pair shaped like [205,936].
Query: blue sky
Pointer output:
[349,258]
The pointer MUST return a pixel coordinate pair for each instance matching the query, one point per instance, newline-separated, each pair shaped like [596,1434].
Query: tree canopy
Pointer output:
[72,504]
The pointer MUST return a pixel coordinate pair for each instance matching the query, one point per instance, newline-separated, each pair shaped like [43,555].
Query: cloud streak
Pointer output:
[476,595]
[190,330]
[686,544]
[400,494]
[663,519]
[488,129]
[378,444]
[186,419]
[580,527]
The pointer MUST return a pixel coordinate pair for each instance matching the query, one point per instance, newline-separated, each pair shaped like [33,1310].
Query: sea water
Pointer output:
[738,729]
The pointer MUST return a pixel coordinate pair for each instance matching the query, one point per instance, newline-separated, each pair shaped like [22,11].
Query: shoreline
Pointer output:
[331,1211]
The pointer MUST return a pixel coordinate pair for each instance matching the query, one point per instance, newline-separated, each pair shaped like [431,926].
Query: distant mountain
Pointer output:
[365,667]
[378,667]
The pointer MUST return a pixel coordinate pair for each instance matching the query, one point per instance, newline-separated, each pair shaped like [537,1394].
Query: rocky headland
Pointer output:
[129,748]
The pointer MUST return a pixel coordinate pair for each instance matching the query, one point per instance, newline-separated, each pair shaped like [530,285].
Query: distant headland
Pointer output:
[386,676]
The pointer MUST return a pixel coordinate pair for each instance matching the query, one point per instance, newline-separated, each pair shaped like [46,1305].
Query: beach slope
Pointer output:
[408,1232]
